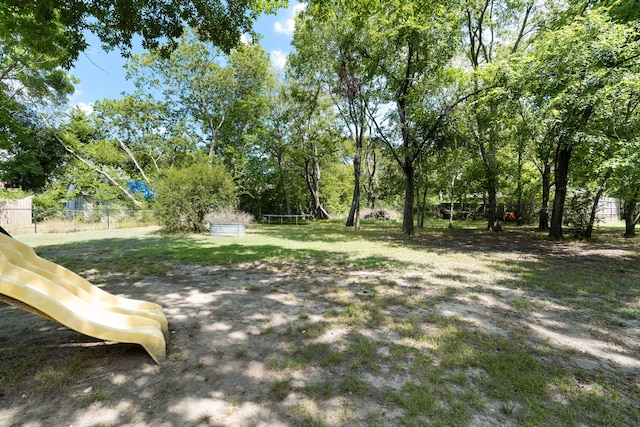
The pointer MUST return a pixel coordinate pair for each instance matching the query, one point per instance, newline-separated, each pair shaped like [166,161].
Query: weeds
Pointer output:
[280,389]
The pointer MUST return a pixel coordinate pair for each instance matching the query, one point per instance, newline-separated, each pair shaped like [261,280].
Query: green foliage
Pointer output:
[97,166]
[33,159]
[577,213]
[405,48]
[217,99]
[568,77]
[156,138]
[336,187]
[186,195]
[30,76]
[314,144]
[12,194]
[48,204]
[60,26]
[478,98]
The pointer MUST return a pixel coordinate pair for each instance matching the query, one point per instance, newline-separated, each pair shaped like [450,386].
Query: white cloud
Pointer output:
[285,28]
[87,108]
[245,38]
[299,8]
[288,26]
[278,58]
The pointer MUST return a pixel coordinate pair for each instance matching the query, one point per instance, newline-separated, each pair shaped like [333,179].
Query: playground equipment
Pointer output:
[49,290]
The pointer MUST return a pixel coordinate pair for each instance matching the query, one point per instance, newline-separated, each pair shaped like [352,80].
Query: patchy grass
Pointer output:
[449,327]
[280,389]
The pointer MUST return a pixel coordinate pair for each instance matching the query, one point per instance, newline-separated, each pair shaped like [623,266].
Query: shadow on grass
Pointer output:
[136,255]
[465,237]
[250,323]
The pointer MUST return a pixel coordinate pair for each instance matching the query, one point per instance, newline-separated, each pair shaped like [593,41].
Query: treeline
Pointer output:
[526,105]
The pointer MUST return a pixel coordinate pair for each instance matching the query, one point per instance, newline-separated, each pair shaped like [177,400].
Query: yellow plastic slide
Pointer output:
[54,292]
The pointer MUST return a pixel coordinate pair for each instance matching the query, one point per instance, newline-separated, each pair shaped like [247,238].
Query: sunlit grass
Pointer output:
[407,308]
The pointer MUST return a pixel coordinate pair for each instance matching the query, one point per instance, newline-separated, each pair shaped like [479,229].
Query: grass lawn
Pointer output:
[320,325]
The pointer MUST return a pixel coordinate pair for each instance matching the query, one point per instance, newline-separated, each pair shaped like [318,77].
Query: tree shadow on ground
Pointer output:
[261,335]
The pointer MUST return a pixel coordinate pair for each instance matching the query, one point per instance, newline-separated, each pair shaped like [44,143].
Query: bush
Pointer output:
[185,196]
[577,214]
[49,205]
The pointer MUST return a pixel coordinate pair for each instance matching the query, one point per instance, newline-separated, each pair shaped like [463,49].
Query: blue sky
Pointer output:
[102,74]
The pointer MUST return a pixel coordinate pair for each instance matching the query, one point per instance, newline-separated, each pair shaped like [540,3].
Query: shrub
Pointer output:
[49,205]
[577,214]
[12,194]
[185,196]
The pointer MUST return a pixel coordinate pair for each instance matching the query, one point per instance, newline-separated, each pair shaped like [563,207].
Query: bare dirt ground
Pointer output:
[233,329]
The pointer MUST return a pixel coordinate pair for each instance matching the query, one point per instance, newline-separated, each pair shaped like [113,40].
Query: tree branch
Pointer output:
[90,166]
[522,32]
[135,162]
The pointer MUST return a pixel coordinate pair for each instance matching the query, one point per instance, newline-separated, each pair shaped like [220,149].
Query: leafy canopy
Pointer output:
[61,24]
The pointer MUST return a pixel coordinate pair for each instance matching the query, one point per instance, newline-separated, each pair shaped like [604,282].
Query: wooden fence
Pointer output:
[18,221]
[16,213]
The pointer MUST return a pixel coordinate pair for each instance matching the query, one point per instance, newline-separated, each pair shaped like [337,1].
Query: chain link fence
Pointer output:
[19,221]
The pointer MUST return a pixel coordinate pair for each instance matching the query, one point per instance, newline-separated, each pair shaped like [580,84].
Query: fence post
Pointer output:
[35,221]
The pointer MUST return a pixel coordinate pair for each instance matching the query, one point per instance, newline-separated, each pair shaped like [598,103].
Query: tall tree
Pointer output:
[315,136]
[254,78]
[405,47]
[39,39]
[620,124]
[214,95]
[567,71]
[490,37]
[537,126]
[330,43]
[277,139]
[31,81]
[97,167]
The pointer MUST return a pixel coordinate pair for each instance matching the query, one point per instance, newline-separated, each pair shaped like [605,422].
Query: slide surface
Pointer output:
[56,293]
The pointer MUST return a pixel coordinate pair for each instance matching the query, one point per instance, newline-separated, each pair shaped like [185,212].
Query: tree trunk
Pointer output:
[99,171]
[423,203]
[494,219]
[489,161]
[319,209]
[594,206]
[561,181]
[212,142]
[312,178]
[519,190]
[285,193]
[407,221]
[91,166]
[353,220]
[543,224]
[629,220]
[133,158]
[371,164]
[451,212]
